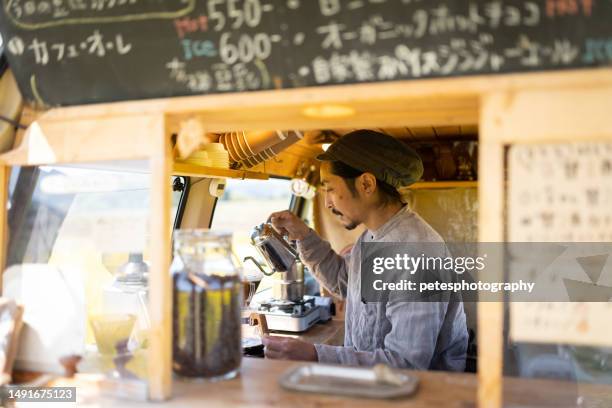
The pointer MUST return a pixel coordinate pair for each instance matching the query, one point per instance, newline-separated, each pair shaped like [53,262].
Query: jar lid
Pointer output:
[135,272]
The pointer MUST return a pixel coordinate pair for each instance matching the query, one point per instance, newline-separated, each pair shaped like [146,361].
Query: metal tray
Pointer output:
[350,381]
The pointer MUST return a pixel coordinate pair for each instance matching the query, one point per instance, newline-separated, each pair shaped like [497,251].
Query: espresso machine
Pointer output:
[288,309]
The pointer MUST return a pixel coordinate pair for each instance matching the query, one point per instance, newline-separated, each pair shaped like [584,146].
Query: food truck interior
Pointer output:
[93,217]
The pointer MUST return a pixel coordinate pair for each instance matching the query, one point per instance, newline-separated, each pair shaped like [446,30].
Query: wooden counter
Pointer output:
[257,386]
[330,332]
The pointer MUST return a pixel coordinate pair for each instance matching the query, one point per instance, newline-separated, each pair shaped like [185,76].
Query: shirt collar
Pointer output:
[387,226]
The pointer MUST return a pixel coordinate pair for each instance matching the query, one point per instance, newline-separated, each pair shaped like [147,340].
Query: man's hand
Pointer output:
[286,348]
[287,223]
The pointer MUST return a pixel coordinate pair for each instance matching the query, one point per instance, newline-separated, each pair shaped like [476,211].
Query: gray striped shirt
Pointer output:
[416,335]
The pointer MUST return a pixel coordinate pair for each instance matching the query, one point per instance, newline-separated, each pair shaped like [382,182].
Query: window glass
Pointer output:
[71,229]
[246,204]
[58,212]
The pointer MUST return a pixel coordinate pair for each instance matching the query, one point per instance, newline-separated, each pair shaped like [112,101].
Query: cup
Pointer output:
[231,138]
[109,329]
[244,145]
[270,152]
[258,141]
[223,141]
[199,158]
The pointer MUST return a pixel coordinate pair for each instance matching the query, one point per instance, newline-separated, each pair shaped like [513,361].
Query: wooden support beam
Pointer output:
[491,224]
[372,112]
[433,90]
[160,284]
[84,140]
[553,116]
[431,102]
[191,170]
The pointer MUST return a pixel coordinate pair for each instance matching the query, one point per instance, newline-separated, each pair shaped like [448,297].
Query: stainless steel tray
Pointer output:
[350,381]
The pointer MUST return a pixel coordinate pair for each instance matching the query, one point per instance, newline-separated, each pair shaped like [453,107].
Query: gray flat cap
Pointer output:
[387,158]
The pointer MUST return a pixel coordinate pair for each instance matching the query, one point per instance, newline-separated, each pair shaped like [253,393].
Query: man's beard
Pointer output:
[351,226]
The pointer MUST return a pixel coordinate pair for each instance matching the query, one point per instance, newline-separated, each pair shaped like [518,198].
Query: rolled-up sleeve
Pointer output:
[410,343]
[327,266]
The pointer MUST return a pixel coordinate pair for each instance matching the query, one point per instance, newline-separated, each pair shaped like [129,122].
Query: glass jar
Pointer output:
[128,293]
[207,296]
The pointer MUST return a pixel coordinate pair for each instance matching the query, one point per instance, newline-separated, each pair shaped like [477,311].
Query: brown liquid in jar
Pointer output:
[206,325]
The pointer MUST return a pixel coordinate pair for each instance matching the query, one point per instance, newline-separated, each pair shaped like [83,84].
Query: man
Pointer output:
[360,174]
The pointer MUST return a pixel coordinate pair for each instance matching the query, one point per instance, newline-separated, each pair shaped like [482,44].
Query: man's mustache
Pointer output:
[334,211]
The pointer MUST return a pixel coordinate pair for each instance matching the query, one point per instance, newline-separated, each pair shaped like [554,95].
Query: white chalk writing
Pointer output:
[431,22]
[33,14]
[457,56]
[46,52]
[221,77]
[235,14]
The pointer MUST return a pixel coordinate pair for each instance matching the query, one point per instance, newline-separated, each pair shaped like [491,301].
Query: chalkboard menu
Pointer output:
[67,52]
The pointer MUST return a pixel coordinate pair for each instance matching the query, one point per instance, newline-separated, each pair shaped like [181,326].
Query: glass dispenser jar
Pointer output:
[128,293]
[207,296]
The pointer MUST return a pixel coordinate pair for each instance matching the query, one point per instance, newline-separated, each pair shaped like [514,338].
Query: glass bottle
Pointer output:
[128,292]
[207,296]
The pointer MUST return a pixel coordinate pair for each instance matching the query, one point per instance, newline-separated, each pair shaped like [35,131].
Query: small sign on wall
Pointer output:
[562,193]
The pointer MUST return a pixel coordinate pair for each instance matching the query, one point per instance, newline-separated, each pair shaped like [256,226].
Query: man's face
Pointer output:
[340,199]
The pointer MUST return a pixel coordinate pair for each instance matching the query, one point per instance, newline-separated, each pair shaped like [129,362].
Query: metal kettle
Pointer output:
[282,258]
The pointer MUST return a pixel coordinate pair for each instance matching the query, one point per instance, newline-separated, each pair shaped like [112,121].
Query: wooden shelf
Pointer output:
[442,184]
[191,170]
